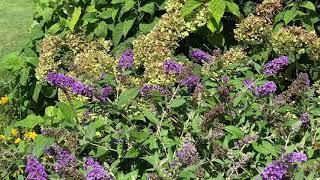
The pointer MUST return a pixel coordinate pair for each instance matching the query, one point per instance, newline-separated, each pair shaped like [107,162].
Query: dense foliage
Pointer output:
[175,89]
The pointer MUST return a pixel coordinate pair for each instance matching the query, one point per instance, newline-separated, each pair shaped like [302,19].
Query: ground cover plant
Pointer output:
[175,89]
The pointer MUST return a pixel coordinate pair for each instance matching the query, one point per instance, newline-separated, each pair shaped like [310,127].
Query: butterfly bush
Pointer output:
[278,169]
[274,66]
[126,61]
[200,56]
[95,170]
[35,170]
[150,106]
[266,89]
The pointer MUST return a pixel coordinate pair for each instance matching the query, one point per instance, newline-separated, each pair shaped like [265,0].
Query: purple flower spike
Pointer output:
[200,56]
[296,157]
[35,170]
[172,67]
[190,81]
[60,80]
[68,83]
[96,171]
[127,59]
[104,93]
[266,89]
[275,171]
[274,66]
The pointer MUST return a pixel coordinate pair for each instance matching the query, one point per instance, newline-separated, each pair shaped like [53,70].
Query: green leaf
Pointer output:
[92,128]
[132,153]
[235,131]
[29,122]
[117,1]
[117,33]
[127,95]
[101,30]
[41,143]
[54,29]
[24,75]
[217,8]
[214,26]
[145,28]
[66,111]
[148,114]
[269,147]
[233,8]
[127,26]
[74,18]
[129,4]
[177,103]
[189,6]
[289,15]
[36,92]
[148,8]
[153,159]
[106,13]
[308,5]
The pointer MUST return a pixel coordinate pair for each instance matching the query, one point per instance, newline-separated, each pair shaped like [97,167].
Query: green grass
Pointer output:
[15,22]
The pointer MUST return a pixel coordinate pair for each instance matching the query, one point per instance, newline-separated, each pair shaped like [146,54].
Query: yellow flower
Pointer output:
[2,138]
[14,132]
[30,135]
[4,100]
[17,141]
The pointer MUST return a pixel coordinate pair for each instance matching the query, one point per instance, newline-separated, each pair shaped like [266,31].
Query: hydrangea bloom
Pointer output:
[190,81]
[188,154]
[200,56]
[266,89]
[35,170]
[96,171]
[274,66]
[295,157]
[65,82]
[172,67]
[127,59]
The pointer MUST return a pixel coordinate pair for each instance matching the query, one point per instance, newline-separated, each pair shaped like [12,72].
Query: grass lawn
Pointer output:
[15,21]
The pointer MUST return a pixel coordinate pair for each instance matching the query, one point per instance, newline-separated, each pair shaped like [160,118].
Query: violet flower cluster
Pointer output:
[77,87]
[35,170]
[249,84]
[172,67]
[266,89]
[68,83]
[274,66]
[127,59]
[188,154]
[278,169]
[96,171]
[149,89]
[190,81]
[66,163]
[200,56]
